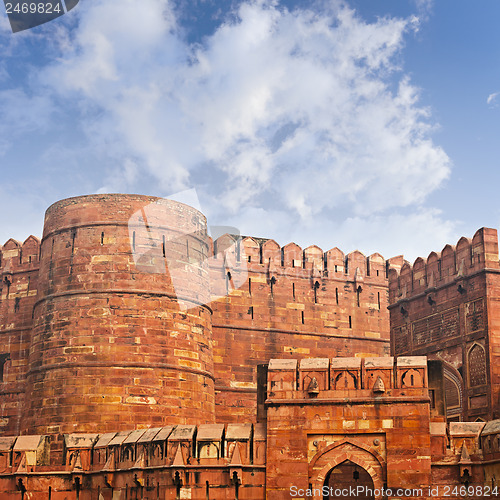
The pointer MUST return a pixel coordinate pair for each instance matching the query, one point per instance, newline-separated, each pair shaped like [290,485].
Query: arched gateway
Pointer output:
[345,465]
[348,481]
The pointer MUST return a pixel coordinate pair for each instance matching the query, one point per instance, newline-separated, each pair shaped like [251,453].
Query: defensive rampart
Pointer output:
[448,308]
[127,307]
[19,265]
[293,302]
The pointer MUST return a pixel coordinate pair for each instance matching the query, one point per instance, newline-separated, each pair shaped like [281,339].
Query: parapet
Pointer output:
[17,257]
[24,454]
[453,263]
[171,446]
[345,377]
[463,442]
[291,258]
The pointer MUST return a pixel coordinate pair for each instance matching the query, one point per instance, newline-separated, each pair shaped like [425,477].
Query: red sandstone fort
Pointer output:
[140,359]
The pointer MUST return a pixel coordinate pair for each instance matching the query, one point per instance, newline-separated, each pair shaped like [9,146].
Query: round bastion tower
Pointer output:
[122,335]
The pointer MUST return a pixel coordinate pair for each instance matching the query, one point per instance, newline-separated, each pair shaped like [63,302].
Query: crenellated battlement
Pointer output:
[19,257]
[453,263]
[346,377]
[291,259]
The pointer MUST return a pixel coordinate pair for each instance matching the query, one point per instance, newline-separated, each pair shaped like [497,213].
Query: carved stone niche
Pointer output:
[281,376]
[375,368]
[145,445]
[116,446]
[29,452]
[210,442]
[180,444]
[129,448]
[313,375]
[345,374]
[79,450]
[158,446]
[411,372]
[101,450]
[6,444]
[467,433]
[238,443]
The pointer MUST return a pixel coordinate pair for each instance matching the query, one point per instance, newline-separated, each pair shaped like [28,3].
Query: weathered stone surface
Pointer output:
[126,339]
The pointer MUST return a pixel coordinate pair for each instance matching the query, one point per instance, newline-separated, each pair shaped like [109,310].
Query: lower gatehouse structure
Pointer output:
[141,359]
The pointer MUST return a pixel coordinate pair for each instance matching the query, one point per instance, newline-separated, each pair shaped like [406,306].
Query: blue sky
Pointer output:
[358,124]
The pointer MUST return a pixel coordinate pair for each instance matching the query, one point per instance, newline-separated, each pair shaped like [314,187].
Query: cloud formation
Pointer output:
[304,114]
[491,100]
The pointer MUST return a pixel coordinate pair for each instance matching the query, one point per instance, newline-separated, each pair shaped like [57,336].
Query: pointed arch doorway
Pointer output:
[346,477]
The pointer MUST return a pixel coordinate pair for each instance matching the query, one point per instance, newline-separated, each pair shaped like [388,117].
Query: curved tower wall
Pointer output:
[112,348]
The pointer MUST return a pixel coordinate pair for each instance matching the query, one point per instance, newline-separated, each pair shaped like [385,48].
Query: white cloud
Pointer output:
[492,98]
[415,232]
[298,113]
[424,8]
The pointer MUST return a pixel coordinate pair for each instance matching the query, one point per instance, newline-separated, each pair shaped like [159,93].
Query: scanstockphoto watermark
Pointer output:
[461,491]
[160,245]
[355,492]
[25,14]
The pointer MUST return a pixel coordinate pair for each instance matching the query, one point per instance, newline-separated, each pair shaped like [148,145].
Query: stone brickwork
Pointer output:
[19,264]
[180,461]
[373,412]
[351,423]
[295,302]
[117,269]
[110,348]
[141,359]
[447,308]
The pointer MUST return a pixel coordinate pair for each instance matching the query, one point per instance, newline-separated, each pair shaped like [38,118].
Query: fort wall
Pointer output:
[447,307]
[19,263]
[122,270]
[372,412]
[336,423]
[292,302]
